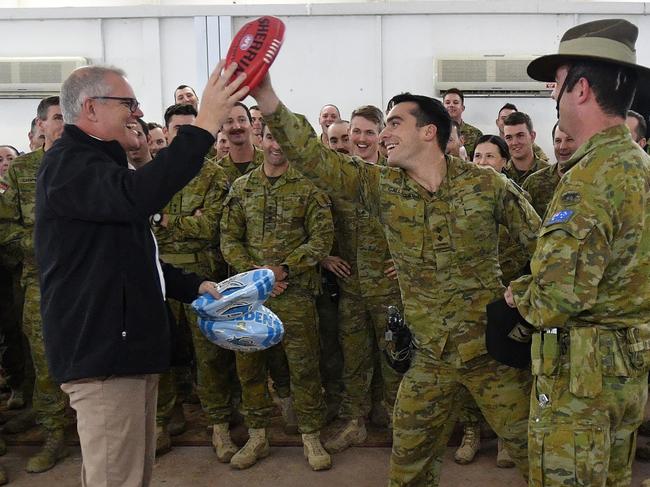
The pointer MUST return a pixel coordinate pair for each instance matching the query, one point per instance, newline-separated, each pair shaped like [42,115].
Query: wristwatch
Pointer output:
[156,218]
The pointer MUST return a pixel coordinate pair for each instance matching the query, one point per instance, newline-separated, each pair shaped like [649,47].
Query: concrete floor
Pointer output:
[357,467]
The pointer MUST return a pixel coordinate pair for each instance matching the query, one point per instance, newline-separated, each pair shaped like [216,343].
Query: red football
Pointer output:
[255,47]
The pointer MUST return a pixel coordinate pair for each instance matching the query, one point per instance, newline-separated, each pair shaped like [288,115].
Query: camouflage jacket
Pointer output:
[444,244]
[17,206]
[188,237]
[286,223]
[519,177]
[541,186]
[230,168]
[470,135]
[359,235]
[538,153]
[592,263]
[513,258]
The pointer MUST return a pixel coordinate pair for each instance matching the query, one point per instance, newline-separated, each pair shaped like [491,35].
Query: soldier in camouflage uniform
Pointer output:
[13,345]
[539,153]
[541,185]
[366,291]
[187,232]
[438,214]
[274,217]
[520,136]
[491,152]
[328,115]
[638,127]
[242,158]
[506,110]
[17,208]
[512,261]
[454,102]
[587,295]
[331,365]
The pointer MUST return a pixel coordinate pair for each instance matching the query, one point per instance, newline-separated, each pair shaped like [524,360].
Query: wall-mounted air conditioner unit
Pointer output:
[491,75]
[35,77]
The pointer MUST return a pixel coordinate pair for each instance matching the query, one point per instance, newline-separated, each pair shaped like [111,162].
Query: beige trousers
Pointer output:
[116,422]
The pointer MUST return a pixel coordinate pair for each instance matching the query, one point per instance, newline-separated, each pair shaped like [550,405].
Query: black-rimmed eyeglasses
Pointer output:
[133,104]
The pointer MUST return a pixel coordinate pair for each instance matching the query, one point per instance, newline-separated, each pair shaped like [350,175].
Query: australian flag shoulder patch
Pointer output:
[561,216]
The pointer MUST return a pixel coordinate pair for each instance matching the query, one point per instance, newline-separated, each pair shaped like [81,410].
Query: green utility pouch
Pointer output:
[613,350]
[551,353]
[544,353]
[536,354]
[586,372]
[638,349]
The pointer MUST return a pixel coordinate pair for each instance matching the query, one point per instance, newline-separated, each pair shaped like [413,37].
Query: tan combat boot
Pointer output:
[314,452]
[353,433]
[470,445]
[645,483]
[503,457]
[222,443]
[289,416]
[53,450]
[163,440]
[256,448]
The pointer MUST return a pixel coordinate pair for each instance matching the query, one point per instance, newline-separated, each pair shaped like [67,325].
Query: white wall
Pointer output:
[347,54]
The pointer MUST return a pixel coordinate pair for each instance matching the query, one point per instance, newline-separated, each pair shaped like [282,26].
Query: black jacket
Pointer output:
[102,305]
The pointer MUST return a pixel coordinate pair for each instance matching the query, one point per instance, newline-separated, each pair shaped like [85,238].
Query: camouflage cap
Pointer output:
[610,40]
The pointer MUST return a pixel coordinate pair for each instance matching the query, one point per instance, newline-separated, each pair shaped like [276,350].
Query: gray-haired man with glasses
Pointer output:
[103,286]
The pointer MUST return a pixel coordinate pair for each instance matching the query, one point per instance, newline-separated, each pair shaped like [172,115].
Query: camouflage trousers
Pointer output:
[586,441]
[297,311]
[278,366]
[331,363]
[14,347]
[470,413]
[49,400]
[362,325]
[215,374]
[427,409]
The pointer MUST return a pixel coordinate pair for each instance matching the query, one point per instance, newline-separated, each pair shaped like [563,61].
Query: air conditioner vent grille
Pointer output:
[21,77]
[511,70]
[40,72]
[5,73]
[488,76]
[460,69]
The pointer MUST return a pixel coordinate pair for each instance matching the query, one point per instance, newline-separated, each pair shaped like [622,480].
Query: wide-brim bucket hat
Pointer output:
[609,40]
